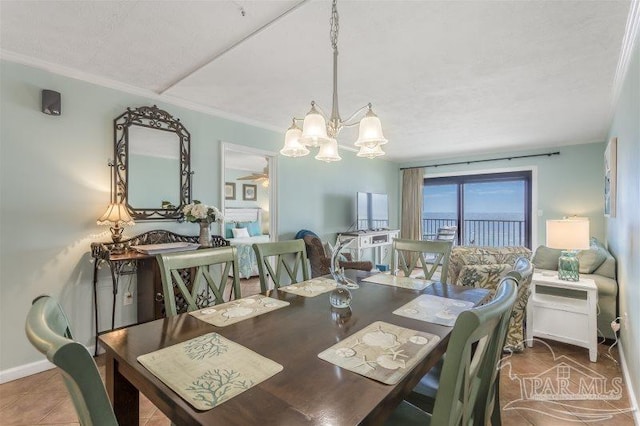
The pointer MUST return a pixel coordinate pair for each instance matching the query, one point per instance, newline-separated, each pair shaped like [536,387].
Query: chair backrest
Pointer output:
[406,255]
[289,256]
[523,273]
[48,330]
[318,260]
[194,268]
[489,371]
[447,233]
[471,347]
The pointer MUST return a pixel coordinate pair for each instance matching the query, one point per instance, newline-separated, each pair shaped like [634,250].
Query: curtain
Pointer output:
[412,187]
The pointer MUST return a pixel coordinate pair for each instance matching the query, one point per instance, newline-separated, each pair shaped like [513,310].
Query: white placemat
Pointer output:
[311,288]
[238,310]
[435,309]
[381,351]
[209,370]
[399,281]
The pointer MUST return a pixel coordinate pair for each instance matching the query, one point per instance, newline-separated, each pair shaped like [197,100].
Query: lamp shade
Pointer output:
[117,214]
[314,128]
[374,152]
[329,151]
[292,146]
[370,131]
[568,234]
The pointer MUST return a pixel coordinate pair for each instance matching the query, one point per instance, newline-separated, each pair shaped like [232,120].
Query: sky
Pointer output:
[485,197]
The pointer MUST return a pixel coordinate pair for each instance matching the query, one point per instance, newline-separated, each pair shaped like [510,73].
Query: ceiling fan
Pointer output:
[262,178]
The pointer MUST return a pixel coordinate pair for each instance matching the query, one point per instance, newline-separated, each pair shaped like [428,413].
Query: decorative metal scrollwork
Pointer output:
[155,119]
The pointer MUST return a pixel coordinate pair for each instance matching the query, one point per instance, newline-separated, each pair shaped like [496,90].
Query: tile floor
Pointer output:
[41,399]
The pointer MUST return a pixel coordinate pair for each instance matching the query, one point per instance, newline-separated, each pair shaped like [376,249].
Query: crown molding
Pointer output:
[127,88]
[628,41]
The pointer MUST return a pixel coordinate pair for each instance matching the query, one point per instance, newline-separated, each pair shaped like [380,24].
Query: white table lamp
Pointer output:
[569,235]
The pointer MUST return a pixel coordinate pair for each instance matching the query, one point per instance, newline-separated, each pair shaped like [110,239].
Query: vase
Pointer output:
[205,235]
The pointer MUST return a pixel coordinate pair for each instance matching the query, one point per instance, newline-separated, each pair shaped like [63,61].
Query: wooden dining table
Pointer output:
[308,390]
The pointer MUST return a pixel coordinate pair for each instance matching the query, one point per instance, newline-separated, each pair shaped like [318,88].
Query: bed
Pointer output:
[235,219]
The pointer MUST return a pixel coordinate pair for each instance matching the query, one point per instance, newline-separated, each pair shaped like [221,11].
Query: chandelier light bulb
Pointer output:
[370,153]
[370,132]
[292,146]
[329,151]
[314,128]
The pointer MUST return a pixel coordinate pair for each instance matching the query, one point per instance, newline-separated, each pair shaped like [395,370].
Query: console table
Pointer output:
[123,260]
[375,240]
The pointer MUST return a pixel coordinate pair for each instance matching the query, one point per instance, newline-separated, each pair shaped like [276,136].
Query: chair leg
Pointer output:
[495,414]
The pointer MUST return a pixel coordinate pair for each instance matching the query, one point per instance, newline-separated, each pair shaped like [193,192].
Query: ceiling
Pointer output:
[446,78]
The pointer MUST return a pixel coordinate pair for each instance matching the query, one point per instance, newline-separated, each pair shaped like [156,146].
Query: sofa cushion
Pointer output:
[546,258]
[608,267]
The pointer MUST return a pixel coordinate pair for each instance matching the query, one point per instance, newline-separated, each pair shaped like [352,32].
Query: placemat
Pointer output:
[381,351]
[398,281]
[208,370]
[238,310]
[435,309]
[311,288]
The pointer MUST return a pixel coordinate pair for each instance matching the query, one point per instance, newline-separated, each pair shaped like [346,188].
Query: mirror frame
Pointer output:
[152,118]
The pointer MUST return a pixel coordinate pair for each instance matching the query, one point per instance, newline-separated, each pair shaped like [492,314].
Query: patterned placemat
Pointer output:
[381,351]
[238,310]
[311,288]
[435,309]
[398,281]
[209,370]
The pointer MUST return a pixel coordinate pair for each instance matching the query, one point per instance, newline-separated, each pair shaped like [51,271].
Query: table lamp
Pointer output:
[118,215]
[569,235]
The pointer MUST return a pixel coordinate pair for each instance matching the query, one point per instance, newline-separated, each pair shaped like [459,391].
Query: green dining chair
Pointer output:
[406,255]
[288,256]
[464,394]
[48,330]
[195,268]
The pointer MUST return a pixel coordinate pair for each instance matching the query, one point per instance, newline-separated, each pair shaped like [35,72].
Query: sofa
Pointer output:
[595,263]
[483,267]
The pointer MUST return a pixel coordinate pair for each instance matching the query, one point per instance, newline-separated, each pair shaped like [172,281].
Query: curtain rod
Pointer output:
[548,154]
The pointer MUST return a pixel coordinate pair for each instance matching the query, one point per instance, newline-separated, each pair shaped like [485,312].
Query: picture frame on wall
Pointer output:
[229,191]
[249,192]
[610,177]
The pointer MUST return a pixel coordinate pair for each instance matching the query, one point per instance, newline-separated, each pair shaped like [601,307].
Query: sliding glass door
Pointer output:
[488,210]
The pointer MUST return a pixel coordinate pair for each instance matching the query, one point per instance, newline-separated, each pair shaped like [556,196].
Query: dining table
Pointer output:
[308,389]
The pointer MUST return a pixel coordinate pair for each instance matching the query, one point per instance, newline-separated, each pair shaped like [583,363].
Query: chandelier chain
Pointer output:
[335,25]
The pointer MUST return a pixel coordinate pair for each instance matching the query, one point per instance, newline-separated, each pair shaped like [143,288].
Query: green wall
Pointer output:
[623,230]
[567,184]
[55,184]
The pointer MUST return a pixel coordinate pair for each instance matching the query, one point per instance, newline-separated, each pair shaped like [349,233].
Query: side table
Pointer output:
[565,311]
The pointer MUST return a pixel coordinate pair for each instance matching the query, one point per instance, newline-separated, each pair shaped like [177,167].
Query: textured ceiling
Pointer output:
[446,77]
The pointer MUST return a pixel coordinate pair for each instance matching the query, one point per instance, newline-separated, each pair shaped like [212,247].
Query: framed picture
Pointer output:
[229,191]
[249,192]
[610,170]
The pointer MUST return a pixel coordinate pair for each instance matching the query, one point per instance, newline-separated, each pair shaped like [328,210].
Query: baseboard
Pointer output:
[627,379]
[29,369]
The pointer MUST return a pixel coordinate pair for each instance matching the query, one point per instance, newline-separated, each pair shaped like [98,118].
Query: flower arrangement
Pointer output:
[198,212]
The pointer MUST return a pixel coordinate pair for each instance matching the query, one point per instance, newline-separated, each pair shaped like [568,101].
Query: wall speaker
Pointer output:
[51,103]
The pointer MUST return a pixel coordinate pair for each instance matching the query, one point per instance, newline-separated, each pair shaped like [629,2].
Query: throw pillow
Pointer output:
[240,233]
[591,259]
[546,258]
[252,227]
[228,229]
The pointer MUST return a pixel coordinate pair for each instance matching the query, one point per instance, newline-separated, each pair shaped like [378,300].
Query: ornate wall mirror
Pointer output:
[152,164]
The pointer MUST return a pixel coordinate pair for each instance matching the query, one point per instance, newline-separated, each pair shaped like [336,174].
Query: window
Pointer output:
[488,210]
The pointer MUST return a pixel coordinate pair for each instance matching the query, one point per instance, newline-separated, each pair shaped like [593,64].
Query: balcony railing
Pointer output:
[481,232]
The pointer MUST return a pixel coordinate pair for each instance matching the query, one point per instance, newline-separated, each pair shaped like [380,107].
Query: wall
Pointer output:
[55,184]
[567,184]
[623,230]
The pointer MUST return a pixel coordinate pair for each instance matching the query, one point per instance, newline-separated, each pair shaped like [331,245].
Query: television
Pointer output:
[372,211]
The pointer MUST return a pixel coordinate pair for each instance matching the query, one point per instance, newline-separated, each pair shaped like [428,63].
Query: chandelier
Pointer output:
[317,131]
